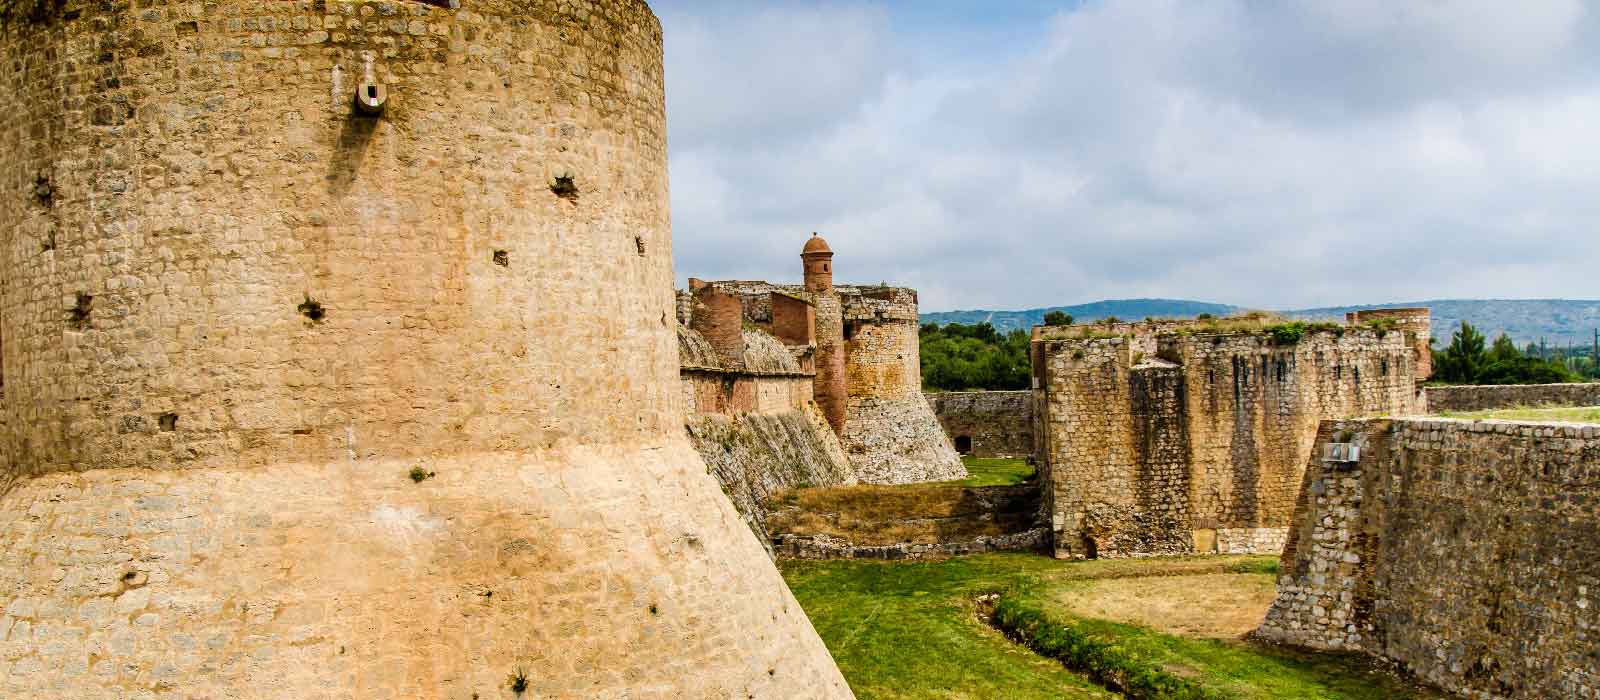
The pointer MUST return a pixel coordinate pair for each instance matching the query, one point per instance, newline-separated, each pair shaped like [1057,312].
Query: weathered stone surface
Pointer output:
[755,455]
[1480,398]
[791,546]
[987,423]
[1157,440]
[242,315]
[1464,551]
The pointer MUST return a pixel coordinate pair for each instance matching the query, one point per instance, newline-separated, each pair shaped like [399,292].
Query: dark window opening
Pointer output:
[849,331]
[824,267]
[1383,367]
[1338,371]
[372,92]
[964,444]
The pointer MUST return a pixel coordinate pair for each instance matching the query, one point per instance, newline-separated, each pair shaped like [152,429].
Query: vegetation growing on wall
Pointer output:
[957,357]
[1466,360]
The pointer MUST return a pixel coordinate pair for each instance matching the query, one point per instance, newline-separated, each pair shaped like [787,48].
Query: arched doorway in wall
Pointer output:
[964,444]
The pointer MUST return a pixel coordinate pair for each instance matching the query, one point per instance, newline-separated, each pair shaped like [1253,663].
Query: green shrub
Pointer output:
[1107,664]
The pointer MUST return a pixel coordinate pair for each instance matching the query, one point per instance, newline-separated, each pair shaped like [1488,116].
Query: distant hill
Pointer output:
[1556,321]
[1125,309]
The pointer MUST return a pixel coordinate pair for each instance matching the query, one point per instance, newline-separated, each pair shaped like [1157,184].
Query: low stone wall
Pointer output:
[1482,398]
[906,522]
[986,423]
[825,547]
[1468,552]
[756,455]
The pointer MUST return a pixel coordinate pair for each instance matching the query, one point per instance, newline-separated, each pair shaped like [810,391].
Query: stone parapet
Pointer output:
[1482,398]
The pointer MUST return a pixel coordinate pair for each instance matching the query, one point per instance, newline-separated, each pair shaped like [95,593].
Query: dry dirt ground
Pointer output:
[1208,606]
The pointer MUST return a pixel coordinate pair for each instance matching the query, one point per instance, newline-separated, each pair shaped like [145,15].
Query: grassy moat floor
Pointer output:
[1565,414]
[915,630]
[993,471]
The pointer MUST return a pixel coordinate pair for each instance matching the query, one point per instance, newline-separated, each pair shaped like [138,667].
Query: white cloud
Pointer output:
[1263,154]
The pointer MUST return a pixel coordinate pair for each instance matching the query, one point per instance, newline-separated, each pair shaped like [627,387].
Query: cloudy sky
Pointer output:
[1023,154]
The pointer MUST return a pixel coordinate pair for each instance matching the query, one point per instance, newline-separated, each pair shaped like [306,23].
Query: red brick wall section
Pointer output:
[794,320]
[719,318]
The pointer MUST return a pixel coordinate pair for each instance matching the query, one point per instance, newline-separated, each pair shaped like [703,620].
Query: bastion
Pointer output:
[861,343]
[1189,436]
[339,361]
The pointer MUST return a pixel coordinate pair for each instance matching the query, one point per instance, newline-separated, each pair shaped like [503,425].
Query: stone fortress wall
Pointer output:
[236,314]
[751,415]
[1481,398]
[986,423]
[1174,439]
[1466,551]
[863,345]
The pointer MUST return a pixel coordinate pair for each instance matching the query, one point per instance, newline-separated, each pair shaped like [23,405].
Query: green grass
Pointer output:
[994,471]
[1570,414]
[909,631]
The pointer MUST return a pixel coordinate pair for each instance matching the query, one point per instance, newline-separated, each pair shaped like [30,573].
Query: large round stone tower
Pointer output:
[338,361]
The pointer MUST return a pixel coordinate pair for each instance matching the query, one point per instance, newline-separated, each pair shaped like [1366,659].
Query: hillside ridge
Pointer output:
[1557,322]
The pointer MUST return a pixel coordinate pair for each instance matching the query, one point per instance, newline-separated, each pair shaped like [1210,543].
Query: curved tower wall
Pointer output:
[235,317]
[893,436]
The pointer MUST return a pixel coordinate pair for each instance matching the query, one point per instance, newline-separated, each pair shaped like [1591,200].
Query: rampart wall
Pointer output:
[1200,447]
[915,522]
[237,318]
[1464,551]
[1480,398]
[986,423]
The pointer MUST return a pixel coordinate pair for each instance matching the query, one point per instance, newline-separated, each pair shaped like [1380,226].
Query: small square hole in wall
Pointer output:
[638,242]
[312,309]
[565,187]
[502,258]
[82,307]
[168,422]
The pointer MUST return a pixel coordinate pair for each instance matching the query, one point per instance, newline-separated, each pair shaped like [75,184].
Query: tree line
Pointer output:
[959,357]
[963,357]
[1469,359]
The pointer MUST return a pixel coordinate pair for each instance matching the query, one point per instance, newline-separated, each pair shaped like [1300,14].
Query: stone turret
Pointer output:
[1416,323]
[831,389]
[354,402]
[818,260]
